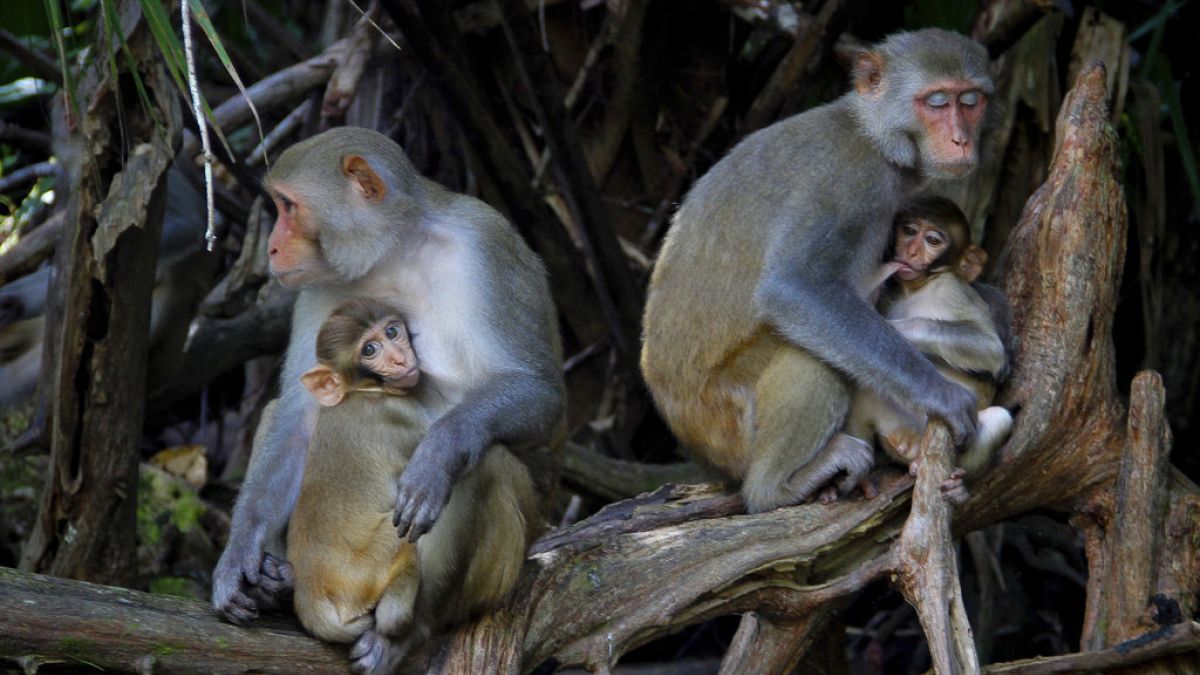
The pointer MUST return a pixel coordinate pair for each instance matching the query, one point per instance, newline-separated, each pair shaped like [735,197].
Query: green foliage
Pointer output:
[163,501]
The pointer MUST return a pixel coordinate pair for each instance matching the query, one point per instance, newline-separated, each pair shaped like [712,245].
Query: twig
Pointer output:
[41,65]
[26,175]
[1167,641]
[32,249]
[343,84]
[599,239]
[1002,22]
[286,128]
[28,138]
[210,234]
[802,58]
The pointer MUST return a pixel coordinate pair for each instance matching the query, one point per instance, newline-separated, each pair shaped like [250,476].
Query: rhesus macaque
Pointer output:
[937,310]
[357,220]
[755,330]
[184,273]
[352,570]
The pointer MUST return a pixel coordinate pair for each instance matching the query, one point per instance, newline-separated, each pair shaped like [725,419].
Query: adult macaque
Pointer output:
[938,311]
[184,273]
[755,328]
[355,579]
[356,220]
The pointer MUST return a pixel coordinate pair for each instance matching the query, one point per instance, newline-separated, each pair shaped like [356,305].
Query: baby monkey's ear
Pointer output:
[325,385]
[970,266]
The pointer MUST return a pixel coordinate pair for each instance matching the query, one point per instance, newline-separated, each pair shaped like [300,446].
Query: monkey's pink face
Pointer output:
[951,112]
[387,351]
[918,245]
[293,253]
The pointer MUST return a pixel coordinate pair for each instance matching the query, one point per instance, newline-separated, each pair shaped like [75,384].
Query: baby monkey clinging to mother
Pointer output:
[937,309]
[356,577]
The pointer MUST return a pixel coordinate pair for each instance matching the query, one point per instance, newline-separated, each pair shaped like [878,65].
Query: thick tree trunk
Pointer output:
[95,371]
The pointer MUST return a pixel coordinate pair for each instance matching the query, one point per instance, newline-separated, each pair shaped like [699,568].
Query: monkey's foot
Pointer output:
[905,442]
[375,653]
[844,454]
[276,583]
[954,488]
[828,495]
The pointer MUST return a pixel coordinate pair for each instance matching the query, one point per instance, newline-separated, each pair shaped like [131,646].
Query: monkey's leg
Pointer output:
[383,647]
[995,424]
[800,403]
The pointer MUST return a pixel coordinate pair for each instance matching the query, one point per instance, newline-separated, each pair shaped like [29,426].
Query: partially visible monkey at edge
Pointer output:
[935,308]
[352,570]
[755,333]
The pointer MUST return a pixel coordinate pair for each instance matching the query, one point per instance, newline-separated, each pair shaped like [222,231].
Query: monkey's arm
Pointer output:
[245,578]
[967,345]
[804,294]
[515,409]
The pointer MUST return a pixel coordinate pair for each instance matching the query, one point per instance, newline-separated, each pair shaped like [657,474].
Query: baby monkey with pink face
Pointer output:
[936,306]
[357,579]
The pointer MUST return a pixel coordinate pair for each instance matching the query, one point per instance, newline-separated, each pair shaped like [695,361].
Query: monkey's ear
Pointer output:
[325,385]
[366,181]
[868,72]
[970,266]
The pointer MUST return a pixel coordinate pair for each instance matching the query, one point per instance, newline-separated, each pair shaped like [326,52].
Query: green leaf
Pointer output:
[206,25]
[168,44]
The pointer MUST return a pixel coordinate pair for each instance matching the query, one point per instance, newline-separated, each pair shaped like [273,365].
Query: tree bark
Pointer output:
[95,373]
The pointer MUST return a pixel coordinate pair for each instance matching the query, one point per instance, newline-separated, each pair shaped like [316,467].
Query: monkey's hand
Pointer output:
[247,579]
[423,490]
[956,406]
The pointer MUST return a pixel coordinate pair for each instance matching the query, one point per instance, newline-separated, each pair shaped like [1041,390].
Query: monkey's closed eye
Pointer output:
[937,99]
[969,98]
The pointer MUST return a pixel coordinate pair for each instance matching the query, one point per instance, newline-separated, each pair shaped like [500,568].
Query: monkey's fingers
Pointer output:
[239,608]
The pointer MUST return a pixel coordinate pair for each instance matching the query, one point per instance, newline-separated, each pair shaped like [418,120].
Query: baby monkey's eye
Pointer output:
[392,332]
[370,349]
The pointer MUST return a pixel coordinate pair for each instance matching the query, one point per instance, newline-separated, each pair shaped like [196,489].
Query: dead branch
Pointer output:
[26,176]
[624,301]
[437,43]
[1002,22]
[27,138]
[804,56]
[286,85]
[39,64]
[32,249]
[928,563]
[49,621]
[1169,641]
[614,479]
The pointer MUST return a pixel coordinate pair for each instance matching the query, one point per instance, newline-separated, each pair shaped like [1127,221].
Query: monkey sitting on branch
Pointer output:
[935,307]
[755,333]
[352,570]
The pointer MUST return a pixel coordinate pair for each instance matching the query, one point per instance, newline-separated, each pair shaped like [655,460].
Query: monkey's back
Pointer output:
[341,543]
[705,340]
